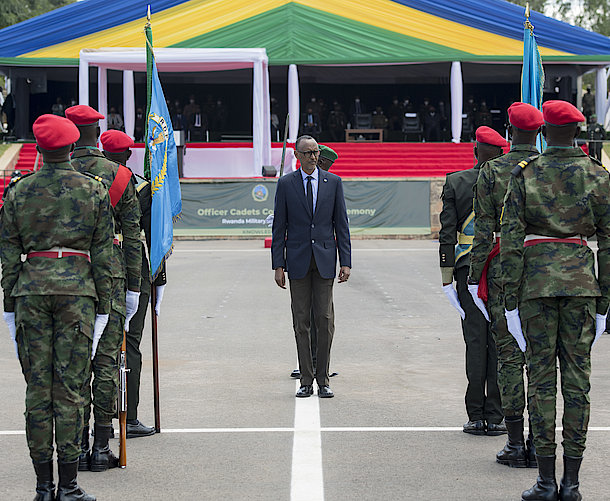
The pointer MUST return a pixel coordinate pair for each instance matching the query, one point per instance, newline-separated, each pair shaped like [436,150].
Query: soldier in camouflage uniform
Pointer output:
[525,122]
[555,305]
[117,146]
[457,227]
[62,221]
[126,260]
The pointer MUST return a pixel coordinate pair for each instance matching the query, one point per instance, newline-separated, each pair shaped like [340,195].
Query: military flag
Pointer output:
[163,164]
[532,75]
[161,168]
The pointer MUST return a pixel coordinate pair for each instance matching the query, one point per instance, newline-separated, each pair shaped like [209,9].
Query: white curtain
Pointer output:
[184,60]
[457,100]
[102,96]
[293,103]
[129,103]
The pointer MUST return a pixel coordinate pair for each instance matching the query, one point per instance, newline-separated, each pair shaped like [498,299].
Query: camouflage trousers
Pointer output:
[54,336]
[564,328]
[105,365]
[511,359]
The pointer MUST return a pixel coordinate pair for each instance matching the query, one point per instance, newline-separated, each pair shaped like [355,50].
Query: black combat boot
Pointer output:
[513,454]
[530,449]
[45,488]
[84,460]
[102,457]
[569,483]
[545,488]
[68,488]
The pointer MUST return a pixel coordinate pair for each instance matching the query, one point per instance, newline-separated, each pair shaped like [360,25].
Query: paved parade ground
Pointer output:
[232,429]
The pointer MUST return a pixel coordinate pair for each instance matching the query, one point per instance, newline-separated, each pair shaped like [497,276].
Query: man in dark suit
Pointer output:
[309,227]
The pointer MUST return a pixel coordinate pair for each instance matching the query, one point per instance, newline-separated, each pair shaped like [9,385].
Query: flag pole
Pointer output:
[153,290]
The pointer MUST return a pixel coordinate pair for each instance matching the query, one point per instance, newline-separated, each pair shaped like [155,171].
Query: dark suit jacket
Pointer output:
[297,233]
[458,195]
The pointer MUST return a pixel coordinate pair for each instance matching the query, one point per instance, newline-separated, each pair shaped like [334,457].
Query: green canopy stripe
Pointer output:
[335,40]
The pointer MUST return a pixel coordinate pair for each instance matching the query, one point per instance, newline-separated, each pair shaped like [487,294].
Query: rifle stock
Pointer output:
[123,404]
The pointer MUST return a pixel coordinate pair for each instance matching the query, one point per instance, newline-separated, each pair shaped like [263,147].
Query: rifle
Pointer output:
[284,147]
[123,404]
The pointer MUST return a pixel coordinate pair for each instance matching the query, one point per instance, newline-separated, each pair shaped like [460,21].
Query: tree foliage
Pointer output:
[15,11]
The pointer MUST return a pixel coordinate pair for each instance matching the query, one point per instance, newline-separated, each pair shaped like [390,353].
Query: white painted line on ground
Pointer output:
[427,249]
[334,429]
[307,482]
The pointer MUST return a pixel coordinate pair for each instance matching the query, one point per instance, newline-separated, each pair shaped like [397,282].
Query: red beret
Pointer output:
[115,141]
[488,135]
[558,112]
[53,132]
[81,114]
[525,116]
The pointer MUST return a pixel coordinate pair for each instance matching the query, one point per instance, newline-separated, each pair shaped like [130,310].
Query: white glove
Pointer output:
[160,289]
[513,322]
[474,292]
[131,306]
[9,318]
[600,326]
[453,299]
[98,329]
[269,220]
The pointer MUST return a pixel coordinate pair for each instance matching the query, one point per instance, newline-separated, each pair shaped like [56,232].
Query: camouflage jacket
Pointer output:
[457,207]
[488,202]
[128,259]
[560,193]
[57,207]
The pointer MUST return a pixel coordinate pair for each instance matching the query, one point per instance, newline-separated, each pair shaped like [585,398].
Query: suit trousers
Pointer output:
[482,394]
[313,293]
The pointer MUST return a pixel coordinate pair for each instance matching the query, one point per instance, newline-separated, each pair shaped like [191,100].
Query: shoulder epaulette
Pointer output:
[19,178]
[142,185]
[93,176]
[523,164]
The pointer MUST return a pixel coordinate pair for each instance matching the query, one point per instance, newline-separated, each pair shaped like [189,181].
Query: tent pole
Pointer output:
[102,96]
[601,94]
[457,100]
[257,118]
[293,103]
[129,103]
[83,80]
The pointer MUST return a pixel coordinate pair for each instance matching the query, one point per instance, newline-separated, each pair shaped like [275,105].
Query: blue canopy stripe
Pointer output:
[506,19]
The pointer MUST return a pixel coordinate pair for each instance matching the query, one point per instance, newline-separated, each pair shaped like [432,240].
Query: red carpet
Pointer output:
[401,159]
[25,164]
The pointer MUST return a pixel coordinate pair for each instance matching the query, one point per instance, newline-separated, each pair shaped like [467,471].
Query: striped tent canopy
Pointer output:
[332,32]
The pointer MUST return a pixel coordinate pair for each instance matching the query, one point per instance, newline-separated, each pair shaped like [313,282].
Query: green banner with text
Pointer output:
[240,207]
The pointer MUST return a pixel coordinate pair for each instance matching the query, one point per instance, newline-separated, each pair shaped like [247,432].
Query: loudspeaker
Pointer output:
[269,171]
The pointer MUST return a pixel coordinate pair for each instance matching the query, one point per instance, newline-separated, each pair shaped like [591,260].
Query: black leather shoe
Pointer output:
[305,391]
[496,429]
[295,374]
[325,392]
[136,429]
[475,427]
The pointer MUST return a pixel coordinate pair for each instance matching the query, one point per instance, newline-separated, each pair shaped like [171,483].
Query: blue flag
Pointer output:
[164,180]
[532,75]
